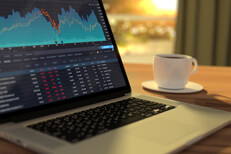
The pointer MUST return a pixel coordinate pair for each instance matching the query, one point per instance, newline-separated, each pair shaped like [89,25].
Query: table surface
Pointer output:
[216,94]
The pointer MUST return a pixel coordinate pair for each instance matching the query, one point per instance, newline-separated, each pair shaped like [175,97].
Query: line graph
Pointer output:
[16,25]
[39,28]
[56,26]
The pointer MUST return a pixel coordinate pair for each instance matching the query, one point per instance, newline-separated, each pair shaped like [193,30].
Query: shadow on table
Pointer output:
[200,98]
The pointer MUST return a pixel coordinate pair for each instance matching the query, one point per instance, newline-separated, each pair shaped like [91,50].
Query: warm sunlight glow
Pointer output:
[159,7]
[165,4]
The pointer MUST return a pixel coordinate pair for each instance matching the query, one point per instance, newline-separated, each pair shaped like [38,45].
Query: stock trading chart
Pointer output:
[52,51]
[39,24]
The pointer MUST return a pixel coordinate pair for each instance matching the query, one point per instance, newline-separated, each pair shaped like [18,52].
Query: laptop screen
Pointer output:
[54,50]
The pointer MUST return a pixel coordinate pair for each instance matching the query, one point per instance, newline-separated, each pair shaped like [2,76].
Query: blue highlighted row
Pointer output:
[107,47]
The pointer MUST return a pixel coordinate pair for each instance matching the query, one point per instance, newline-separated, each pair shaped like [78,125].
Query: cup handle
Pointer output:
[195,65]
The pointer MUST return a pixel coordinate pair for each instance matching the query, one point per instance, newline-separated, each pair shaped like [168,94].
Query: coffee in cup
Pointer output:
[172,71]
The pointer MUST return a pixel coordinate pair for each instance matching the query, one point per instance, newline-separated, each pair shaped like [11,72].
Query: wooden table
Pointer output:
[216,94]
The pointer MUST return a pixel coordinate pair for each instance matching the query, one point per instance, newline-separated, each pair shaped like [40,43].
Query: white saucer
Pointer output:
[190,87]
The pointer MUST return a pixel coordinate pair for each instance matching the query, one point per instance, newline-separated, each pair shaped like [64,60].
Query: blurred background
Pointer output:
[142,28]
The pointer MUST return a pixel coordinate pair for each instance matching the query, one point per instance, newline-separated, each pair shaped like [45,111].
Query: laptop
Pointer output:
[63,87]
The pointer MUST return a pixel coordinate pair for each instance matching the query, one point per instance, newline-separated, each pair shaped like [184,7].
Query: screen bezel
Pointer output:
[75,102]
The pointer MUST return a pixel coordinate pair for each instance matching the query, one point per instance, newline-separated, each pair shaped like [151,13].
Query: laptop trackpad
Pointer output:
[163,131]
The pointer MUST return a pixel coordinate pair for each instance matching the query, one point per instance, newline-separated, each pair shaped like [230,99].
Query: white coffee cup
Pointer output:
[172,71]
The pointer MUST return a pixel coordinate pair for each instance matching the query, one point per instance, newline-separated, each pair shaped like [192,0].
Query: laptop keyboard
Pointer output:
[81,125]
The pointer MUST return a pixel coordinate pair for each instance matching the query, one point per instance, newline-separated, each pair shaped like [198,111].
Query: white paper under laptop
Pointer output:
[63,88]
